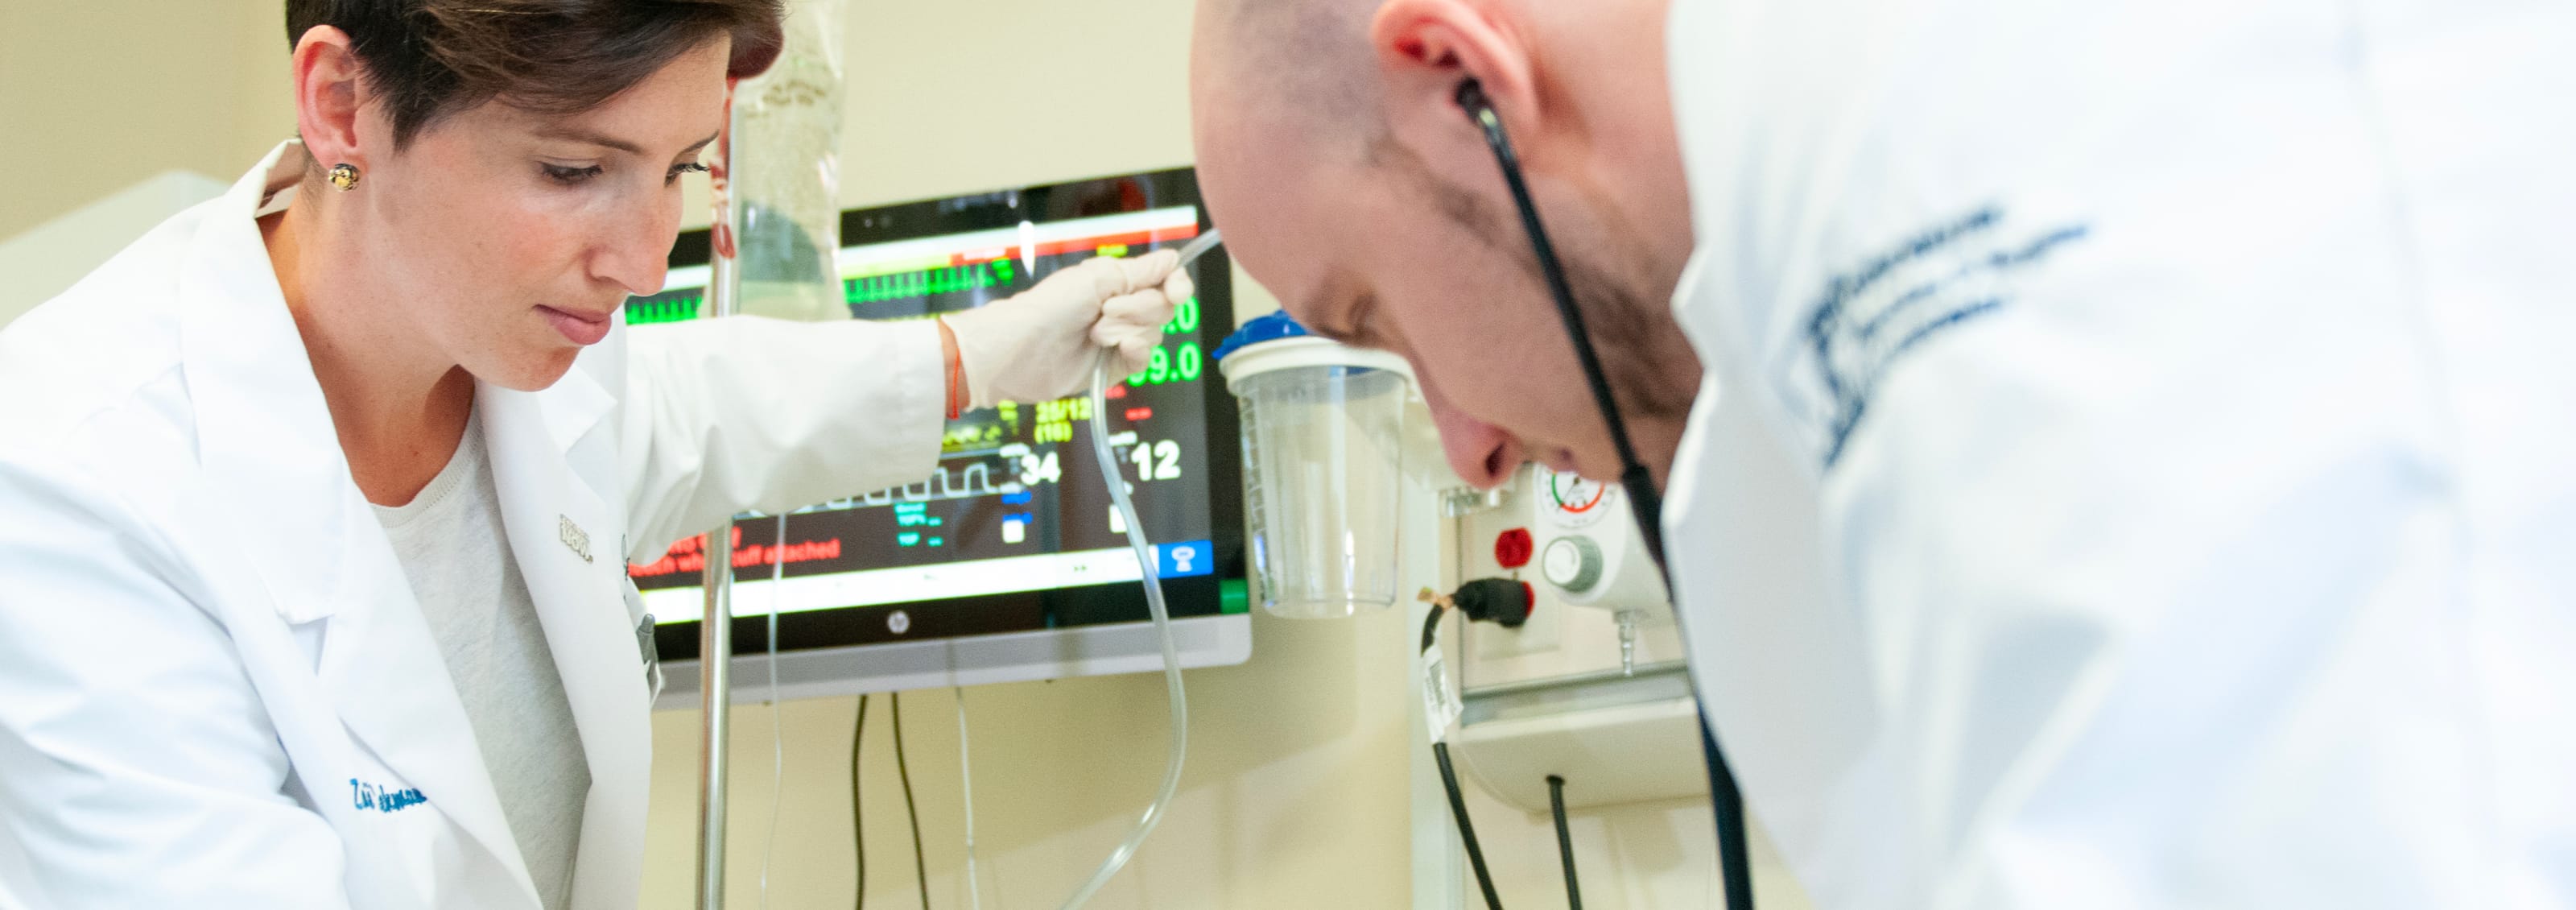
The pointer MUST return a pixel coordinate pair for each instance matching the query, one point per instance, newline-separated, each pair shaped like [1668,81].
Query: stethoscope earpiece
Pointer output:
[1471,97]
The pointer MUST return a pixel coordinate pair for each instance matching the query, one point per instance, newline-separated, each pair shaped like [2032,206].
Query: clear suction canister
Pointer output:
[1323,474]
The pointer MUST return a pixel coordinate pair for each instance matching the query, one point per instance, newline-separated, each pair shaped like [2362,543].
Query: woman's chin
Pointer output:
[535,373]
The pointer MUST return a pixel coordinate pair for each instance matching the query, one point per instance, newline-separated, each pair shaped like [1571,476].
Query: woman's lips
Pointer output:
[581,330]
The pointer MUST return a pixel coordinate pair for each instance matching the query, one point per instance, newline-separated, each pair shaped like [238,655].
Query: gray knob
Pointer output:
[1572,562]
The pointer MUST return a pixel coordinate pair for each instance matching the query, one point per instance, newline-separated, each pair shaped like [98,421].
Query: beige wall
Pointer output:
[1296,794]
[109,92]
[99,94]
[949,97]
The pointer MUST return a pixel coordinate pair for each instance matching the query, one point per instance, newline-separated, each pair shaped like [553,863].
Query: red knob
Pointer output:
[1512,548]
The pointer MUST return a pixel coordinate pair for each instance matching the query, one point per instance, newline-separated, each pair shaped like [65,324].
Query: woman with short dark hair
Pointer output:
[315,543]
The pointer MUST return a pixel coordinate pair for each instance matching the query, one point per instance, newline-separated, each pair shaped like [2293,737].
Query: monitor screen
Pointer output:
[1014,531]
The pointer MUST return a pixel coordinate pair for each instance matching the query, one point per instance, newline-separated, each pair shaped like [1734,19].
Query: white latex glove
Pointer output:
[1042,343]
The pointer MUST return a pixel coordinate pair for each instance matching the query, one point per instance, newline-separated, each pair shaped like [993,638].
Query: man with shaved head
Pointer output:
[2114,454]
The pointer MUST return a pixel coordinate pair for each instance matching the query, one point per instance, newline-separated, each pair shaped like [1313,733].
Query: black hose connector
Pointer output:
[1496,600]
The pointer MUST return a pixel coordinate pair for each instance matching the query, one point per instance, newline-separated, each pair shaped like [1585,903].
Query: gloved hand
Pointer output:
[1042,343]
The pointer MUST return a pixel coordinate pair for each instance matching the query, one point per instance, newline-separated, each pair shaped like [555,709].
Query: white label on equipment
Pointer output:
[1440,706]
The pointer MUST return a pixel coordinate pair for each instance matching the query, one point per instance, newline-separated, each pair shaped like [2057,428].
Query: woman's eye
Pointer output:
[689,168]
[569,175]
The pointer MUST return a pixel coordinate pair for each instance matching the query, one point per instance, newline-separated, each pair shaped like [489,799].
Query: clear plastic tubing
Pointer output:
[1152,568]
[1117,482]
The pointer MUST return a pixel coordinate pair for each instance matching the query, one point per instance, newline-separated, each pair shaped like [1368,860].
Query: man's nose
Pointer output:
[1482,454]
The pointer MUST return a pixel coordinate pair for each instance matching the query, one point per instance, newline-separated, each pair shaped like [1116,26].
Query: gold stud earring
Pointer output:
[345,176]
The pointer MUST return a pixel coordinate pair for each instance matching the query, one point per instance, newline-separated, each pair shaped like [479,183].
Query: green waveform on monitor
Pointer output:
[684,305]
[926,282]
[677,306]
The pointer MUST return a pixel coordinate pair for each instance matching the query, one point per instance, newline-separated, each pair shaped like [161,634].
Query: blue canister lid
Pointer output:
[1270,326]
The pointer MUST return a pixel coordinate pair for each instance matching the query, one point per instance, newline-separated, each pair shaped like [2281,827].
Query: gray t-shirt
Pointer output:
[456,554]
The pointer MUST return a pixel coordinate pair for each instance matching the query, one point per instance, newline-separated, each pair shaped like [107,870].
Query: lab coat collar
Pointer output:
[264,433]
[572,407]
[563,535]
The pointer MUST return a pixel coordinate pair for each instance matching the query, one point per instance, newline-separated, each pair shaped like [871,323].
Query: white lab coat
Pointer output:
[216,688]
[2137,464]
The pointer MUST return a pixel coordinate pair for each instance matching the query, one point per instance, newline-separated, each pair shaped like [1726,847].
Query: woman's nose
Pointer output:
[636,252]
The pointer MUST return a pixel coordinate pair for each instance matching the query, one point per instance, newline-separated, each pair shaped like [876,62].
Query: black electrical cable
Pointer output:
[920,871]
[1466,831]
[1644,500]
[858,832]
[1449,781]
[1564,840]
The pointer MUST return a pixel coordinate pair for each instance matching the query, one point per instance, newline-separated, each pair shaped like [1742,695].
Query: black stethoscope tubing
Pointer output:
[1734,858]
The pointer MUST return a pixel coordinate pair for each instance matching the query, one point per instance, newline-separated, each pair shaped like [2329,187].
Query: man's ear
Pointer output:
[1426,48]
[329,93]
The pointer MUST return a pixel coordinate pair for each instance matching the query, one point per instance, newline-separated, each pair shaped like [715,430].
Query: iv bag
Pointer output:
[784,181]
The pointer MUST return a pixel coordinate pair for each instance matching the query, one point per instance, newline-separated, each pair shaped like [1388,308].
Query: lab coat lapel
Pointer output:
[564,535]
[273,460]
[383,669]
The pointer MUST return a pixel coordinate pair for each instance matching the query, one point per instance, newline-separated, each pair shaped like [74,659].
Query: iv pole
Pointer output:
[792,109]
[715,629]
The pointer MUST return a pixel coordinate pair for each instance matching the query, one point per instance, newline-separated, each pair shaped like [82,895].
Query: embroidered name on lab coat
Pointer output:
[1872,316]
[574,537]
[370,796]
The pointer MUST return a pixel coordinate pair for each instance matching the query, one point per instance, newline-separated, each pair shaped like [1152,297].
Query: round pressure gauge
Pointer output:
[1572,501]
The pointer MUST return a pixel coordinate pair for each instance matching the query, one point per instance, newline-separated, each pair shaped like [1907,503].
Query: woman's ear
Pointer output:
[329,94]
